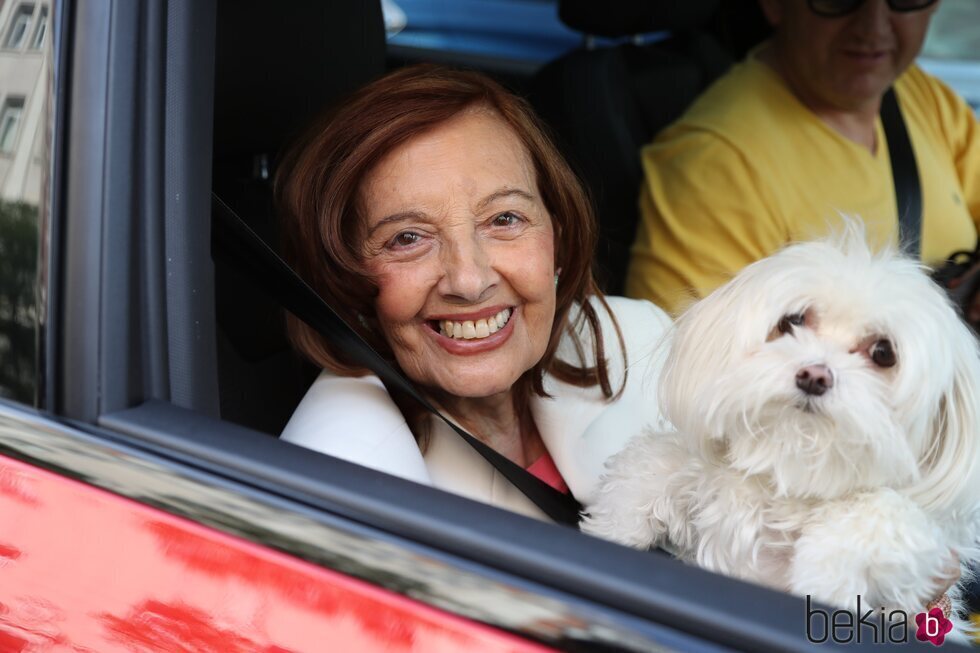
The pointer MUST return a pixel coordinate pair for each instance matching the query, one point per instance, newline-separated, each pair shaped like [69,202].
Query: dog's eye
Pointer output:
[882,353]
[787,322]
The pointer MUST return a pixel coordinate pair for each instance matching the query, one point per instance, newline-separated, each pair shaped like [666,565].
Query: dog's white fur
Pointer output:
[864,490]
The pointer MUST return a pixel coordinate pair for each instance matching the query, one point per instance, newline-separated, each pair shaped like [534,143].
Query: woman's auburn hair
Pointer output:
[317,192]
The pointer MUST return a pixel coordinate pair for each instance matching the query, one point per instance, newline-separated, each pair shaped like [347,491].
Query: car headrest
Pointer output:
[279,64]
[616,18]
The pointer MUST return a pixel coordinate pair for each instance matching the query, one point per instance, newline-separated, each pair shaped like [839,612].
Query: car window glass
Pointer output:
[954,33]
[25,47]
[524,30]
[527,31]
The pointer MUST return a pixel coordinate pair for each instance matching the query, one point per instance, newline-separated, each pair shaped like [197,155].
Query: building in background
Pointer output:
[24,70]
[25,131]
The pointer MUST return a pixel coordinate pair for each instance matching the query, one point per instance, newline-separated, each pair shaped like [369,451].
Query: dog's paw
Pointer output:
[634,528]
[626,513]
[634,503]
[878,545]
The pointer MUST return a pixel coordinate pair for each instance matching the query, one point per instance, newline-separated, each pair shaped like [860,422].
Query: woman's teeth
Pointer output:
[470,329]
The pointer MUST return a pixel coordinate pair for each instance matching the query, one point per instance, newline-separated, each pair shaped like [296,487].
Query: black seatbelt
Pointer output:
[959,275]
[905,175]
[239,246]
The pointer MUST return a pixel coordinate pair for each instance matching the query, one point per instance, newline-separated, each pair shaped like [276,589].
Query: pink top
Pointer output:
[544,468]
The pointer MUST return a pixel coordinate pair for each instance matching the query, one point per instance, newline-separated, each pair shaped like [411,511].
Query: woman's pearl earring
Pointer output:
[557,274]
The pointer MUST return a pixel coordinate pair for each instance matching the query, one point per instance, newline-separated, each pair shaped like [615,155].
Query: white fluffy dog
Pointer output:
[826,403]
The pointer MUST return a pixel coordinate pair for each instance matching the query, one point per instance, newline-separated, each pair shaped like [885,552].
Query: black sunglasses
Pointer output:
[834,8]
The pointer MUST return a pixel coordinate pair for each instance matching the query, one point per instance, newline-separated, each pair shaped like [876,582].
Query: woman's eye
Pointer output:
[787,322]
[507,219]
[882,353]
[404,239]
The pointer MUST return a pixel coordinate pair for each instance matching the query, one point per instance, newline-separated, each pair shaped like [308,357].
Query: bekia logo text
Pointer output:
[876,626]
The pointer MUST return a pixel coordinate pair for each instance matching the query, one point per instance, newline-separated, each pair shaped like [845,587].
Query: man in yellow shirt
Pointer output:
[791,138]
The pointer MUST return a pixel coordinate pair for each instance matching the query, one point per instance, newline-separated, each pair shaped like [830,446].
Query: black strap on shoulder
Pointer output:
[905,175]
[242,248]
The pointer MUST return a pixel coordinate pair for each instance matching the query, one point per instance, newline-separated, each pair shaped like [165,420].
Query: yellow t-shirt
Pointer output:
[749,169]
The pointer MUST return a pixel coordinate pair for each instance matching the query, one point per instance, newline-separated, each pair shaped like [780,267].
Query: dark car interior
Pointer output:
[607,103]
[268,85]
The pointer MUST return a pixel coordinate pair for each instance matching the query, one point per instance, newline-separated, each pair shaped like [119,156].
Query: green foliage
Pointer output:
[18,300]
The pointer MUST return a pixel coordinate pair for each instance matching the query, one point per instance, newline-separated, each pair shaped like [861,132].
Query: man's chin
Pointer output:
[864,90]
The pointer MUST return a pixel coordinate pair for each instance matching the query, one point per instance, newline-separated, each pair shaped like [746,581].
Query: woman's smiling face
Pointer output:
[458,240]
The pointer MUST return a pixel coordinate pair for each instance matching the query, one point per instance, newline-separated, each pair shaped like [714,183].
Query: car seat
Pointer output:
[276,66]
[739,25]
[605,103]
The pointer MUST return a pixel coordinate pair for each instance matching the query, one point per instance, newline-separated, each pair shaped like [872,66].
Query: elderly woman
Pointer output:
[792,137]
[435,214]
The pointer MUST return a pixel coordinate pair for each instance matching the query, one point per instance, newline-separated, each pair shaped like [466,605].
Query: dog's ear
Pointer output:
[950,463]
[703,344]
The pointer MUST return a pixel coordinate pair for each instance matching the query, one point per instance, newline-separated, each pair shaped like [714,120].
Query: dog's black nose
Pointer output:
[815,379]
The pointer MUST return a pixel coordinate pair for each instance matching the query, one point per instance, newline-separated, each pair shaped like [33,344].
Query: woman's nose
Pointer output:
[468,273]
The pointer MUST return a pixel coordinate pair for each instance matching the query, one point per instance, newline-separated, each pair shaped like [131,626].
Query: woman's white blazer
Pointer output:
[354,418]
